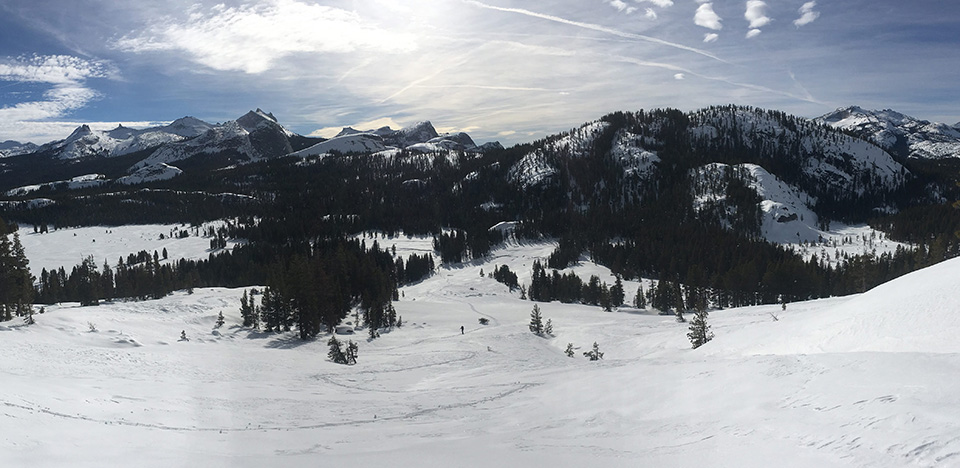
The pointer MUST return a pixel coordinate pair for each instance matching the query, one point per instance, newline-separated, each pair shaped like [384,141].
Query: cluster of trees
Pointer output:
[569,288]
[503,275]
[16,281]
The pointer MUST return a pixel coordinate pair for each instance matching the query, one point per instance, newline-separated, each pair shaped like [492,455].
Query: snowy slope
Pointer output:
[159,171]
[786,216]
[350,143]
[74,183]
[858,381]
[898,133]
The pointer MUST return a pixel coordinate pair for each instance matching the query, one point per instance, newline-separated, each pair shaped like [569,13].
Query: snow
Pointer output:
[888,128]
[159,171]
[352,143]
[78,182]
[788,220]
[864,381]
[68,247]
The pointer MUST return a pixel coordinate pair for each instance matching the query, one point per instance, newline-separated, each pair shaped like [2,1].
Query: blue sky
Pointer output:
[503,70]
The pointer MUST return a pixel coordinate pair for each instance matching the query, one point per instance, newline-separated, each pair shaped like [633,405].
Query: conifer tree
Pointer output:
[336,353]
[536,320]
[247,312]
[351,354]
[548,328]
[594,354]
[617,293]
[220,320]
[569,350]
[640,300]
[699,329]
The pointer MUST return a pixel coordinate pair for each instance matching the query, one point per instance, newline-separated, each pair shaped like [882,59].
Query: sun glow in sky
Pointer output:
[503,69]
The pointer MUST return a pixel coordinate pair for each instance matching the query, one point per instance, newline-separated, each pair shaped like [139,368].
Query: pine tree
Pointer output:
[617,293]
[569,350]
[594,354]
[548,328]
[351,355]
[220,320]
[699,329]
[536,320]
[640,300]
[247,311]
[336,353]
[28,317]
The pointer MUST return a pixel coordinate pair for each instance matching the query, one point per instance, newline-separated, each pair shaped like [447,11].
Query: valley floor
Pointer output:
[865,381]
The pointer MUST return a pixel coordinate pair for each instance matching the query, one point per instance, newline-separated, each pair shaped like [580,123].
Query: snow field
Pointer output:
[862,381]
[68,247]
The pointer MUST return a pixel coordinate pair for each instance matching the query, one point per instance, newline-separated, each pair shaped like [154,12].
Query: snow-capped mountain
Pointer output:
[423,137]
[13,148]
[86,142]
[255,135]
[900,134]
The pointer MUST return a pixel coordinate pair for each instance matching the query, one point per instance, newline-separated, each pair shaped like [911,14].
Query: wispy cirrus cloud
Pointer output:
[66,77]
[707,18]
[807,14]
[252,38]
[591,26]
[620,5]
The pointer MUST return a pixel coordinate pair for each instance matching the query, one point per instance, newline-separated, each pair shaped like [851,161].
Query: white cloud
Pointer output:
[807,15]
[753,33]
[711,37]
[707,18]
[756,14]
[67,76]
[650,14]
[659,3]
[679,76]
[252,38]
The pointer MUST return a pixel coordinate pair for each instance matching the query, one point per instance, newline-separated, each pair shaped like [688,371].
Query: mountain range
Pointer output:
[847,165]
[157,152]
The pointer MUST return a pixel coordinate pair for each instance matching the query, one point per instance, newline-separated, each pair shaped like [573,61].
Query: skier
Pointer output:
[461,329]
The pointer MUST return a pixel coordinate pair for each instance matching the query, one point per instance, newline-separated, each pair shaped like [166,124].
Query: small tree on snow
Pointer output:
[536,320]
[351,353]
[220,320]
[594,354]
[699,329]
[569,350]
[336,353]
[28,317]
[548,328]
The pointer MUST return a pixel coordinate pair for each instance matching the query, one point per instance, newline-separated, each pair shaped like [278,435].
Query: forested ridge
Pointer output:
[620,190]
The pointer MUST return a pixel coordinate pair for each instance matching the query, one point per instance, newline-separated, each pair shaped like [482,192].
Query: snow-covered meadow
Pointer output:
[68,247]
[867,381]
